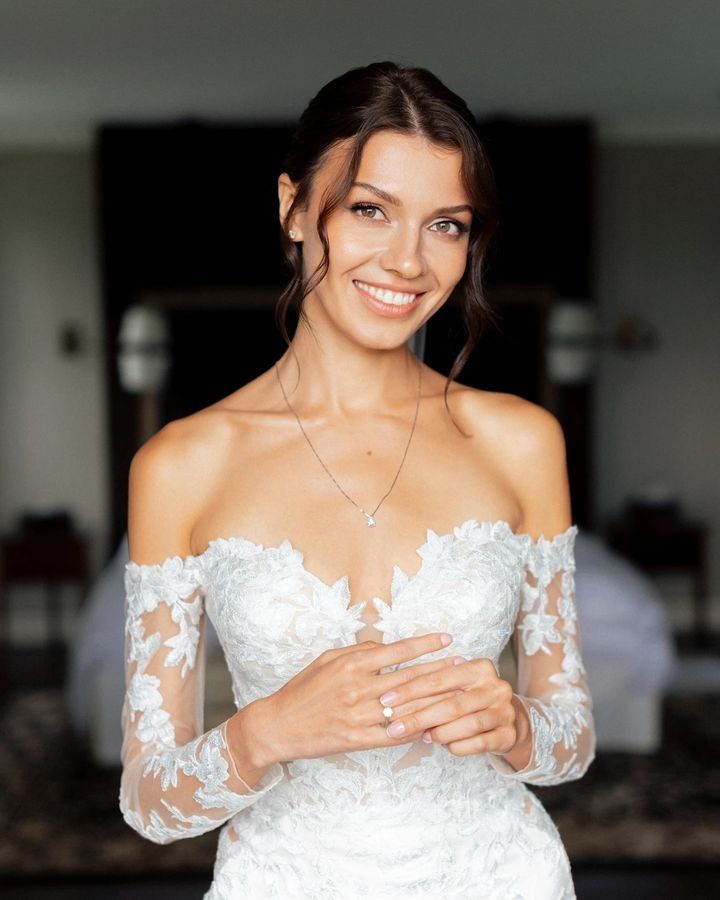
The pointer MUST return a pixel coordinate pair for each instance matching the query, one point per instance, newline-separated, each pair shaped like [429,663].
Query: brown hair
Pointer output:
[355,105]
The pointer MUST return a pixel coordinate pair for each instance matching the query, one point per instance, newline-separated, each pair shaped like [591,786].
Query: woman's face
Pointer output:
[398,242]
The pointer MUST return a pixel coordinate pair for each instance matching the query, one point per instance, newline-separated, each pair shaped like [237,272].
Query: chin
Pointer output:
[381,338]
[369,331]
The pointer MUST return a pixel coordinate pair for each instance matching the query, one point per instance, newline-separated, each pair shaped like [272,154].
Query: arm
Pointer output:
[556,733]
[177,781]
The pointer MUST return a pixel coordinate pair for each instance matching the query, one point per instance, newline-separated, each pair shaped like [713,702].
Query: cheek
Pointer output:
[349,247]
[449,263]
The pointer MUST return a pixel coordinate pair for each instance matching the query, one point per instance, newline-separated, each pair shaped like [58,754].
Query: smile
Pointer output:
[393,298]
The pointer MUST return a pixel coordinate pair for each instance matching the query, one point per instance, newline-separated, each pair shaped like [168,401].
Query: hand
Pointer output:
[479,715]
[332,705]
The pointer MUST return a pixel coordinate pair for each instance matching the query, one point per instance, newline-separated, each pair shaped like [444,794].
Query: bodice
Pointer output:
[273,616]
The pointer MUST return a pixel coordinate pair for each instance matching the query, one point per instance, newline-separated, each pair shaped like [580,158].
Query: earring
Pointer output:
[292,234]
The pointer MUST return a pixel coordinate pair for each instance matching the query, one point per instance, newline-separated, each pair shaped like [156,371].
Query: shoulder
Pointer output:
[527,427]
[169,479]
[530,448]
[183,443]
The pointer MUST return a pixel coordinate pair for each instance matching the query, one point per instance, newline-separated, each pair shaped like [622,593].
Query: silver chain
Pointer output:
[369,516]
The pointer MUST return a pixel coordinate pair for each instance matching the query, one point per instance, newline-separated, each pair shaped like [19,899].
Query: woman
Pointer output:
[375,751]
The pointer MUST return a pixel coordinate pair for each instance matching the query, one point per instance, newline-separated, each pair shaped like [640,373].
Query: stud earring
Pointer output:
[292,234]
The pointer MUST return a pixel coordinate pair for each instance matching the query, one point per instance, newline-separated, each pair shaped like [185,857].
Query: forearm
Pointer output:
[183,791]
[177,792]
[248,743]
[562,743]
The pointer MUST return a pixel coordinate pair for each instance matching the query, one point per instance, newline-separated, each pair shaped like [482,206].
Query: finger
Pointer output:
[474,722]
[386,687]
[459,704]
[374,713]
[477,673]
[382,739]
[498,741]
[333,653]
[391,681]
[380,656]
[400,712]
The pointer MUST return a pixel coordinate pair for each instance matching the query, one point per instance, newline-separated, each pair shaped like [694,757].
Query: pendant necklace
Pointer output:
[369,516]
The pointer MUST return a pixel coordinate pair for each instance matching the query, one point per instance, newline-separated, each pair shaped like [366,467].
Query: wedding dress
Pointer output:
[410,820]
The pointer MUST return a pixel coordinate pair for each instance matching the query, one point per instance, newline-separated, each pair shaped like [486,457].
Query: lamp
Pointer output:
[143,354]
[574,340]
[571,348]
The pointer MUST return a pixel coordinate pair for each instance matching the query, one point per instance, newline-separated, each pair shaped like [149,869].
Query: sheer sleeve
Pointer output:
[176,781]
[551,679]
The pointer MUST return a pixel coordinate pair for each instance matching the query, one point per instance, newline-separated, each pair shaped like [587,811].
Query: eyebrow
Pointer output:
[391,198]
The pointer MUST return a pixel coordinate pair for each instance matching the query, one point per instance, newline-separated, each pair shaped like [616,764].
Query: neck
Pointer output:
[342,379]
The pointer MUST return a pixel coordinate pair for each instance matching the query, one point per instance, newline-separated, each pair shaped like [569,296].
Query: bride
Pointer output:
[370,755]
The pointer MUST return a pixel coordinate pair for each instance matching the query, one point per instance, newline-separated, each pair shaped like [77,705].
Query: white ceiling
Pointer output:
[643,69]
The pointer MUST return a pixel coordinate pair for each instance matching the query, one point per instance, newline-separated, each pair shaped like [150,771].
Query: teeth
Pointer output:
[386,296]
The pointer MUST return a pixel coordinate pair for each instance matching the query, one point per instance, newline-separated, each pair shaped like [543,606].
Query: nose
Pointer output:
[403,254]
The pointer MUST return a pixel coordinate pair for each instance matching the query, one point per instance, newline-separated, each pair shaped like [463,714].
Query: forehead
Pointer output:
[408,166]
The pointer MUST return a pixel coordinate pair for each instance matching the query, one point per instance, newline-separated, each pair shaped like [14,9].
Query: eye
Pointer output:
[366,210]
[446,226]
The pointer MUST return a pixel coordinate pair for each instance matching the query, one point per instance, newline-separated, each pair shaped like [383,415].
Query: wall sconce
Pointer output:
[571,342]
[574,340]
[143,351]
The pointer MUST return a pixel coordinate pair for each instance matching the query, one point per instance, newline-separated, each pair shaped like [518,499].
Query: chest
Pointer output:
[277,489]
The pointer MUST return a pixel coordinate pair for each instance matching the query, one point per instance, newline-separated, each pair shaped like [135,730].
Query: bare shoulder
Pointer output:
[170,477]
[530,448]
[504,415]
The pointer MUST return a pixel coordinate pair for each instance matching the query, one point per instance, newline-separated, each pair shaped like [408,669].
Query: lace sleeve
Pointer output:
[551,678]
[176,781]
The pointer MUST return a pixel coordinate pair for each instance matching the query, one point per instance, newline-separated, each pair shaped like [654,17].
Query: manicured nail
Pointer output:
[458,660]
[389,697]
[427,737]
[396,729]
[446,639]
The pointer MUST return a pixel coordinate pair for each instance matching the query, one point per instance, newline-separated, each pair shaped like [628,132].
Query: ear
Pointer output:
[286,194]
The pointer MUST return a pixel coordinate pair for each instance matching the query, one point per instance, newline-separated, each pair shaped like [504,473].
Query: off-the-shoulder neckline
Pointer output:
[431,534]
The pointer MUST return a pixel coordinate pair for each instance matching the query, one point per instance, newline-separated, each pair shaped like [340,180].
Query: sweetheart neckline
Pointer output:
[360,605]
[477,524]
[454,533]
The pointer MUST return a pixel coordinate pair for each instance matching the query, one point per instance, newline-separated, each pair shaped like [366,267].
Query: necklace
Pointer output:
[370,516]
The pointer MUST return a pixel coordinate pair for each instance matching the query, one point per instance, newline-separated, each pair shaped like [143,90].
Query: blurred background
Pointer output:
[140,144]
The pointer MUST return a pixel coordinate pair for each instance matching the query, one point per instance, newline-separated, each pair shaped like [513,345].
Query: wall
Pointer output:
[52,450]
[658,414]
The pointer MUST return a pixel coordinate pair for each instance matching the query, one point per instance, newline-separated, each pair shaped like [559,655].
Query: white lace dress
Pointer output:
[410,820]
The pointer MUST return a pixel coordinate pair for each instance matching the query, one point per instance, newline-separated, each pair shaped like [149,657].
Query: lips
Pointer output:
[386,295]
[398,306]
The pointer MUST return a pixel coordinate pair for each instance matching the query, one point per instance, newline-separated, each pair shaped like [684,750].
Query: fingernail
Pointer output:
[427,737]
[446,639]
[396,729]
[389,697]
[458,660]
